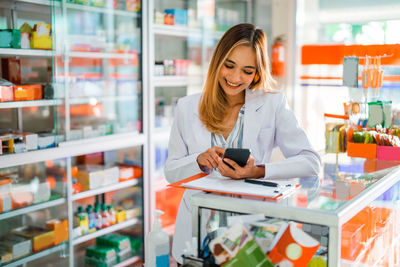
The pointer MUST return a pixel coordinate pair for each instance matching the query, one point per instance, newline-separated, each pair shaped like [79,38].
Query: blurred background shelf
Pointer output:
[26,52]
[110,229]
[33,103]
[32,208]
[105,10]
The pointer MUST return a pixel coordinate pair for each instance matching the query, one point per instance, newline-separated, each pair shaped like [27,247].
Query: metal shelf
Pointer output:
[38,2]
[75,148]
[173,81]
[26,52]
[105,10]
[103,55]
[128,262]
[32,208]
[105,189]
[185,31]
[93,100]
[36,256]
[104,231]
[34,103]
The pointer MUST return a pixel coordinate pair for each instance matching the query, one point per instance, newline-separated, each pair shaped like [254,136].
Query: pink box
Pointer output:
[6,93]
[388,153]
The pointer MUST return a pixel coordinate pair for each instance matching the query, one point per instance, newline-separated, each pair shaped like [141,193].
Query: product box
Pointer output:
[10,38]
[6,93]
[5,256]
[41,192]
[236,247]
[100,256]
[41,36]
[111,175]
[7,144]
[388,153]
[60,228]
[5,202]
[361,150]
[17,245]
[180,16]
[30,140]
[46,140]
[41,238]
[28,92]
[120,214]
[21,195]
[90,177]
[11,70]
[115,241]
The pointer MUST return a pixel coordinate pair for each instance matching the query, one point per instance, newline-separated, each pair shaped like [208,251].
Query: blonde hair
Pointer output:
[213,104]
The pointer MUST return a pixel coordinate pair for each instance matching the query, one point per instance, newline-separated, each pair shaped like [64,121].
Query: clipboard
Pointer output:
[219,184]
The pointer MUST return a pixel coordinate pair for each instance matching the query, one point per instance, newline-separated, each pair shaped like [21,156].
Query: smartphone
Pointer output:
[238,155]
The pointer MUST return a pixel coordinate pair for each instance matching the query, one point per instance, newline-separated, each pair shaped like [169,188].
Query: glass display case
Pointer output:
[352,214]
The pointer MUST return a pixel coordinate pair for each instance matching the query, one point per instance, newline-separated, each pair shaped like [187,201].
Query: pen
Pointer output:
[261,182]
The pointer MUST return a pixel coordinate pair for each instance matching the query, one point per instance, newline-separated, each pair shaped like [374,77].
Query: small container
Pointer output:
[335,133]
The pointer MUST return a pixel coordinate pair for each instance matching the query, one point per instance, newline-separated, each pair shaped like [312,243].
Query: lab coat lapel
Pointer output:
[252,118]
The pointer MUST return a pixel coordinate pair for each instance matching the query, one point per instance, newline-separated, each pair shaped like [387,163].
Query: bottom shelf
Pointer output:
[36,256]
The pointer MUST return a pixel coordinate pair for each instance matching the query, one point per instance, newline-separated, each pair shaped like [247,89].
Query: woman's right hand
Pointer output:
[210,158]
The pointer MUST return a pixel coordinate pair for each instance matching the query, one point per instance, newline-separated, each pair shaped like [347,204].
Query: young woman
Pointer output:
[237,108]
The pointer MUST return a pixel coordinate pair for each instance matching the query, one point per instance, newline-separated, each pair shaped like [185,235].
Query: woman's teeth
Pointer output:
[232,84]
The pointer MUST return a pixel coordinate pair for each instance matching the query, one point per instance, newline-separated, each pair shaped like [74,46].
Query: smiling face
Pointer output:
[238,70]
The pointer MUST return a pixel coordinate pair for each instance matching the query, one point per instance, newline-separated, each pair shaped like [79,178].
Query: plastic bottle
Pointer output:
[111,213]
[105,216]
[157,245]
[91,216]
[98,220]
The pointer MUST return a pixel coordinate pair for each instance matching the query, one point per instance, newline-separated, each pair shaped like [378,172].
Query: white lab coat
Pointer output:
[268,122]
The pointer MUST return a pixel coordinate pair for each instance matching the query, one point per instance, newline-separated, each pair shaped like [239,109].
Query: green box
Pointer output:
[10,38]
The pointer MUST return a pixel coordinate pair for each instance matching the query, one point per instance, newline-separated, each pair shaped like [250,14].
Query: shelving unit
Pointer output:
[36,256]
[110,229]
[125,100]
[32,208]
[176,81]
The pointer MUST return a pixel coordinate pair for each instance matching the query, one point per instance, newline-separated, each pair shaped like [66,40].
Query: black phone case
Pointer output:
[238,155]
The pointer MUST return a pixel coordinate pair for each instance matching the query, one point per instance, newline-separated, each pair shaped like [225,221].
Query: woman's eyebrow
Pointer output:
[246,67]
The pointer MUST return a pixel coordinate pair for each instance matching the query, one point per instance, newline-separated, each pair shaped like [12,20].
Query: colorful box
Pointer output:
[41,36]
[388,153]
[90,177]
[10,38]
[60,228]
[46,140]
[361,150]
[6,93]
[28,92]
[41,238]
[11,70]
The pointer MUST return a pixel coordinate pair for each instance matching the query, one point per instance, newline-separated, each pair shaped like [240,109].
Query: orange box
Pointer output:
[28,92]
[41,238]
[360,150]
[60,228]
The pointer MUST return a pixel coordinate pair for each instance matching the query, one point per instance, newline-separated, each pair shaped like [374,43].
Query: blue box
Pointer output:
[180,15]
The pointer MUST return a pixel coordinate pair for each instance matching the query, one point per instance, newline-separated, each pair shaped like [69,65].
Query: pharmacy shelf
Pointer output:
[128,262]
[94,100]
[39,2]
[110,229]
[75,148]
[26,52]
[36,256]
[34,103]
[184,31]
[105,189]
[32,208]
[102,55]
[174,81]
[105,10]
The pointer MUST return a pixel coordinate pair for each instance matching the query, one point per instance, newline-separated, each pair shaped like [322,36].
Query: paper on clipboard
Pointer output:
[214,182]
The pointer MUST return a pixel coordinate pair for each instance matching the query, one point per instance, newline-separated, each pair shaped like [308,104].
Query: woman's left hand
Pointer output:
[248,171]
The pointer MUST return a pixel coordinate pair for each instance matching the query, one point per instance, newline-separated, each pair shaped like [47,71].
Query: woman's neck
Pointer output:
[236,99]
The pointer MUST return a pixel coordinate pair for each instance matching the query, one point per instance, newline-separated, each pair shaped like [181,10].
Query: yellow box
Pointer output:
[120,214]
[41,238]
